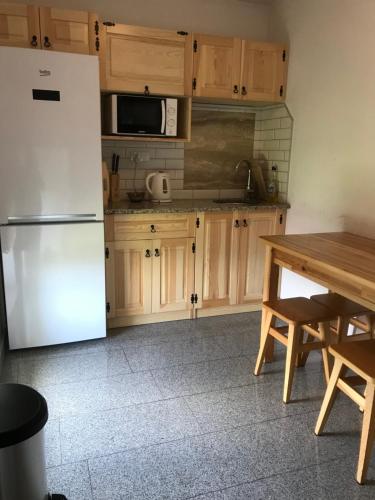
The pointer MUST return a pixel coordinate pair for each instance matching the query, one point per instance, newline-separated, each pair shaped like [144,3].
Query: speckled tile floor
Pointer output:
[172,411]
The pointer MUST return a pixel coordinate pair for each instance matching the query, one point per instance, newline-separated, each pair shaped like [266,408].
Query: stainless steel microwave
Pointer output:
[140,115]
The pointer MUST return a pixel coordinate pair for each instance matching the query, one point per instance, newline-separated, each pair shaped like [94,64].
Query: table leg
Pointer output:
[270,292]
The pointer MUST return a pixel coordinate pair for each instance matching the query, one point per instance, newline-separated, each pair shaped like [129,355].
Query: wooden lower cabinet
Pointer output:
[214,260]
[251,254]
[172,275]
[132,270]
[220,267]
[147,278]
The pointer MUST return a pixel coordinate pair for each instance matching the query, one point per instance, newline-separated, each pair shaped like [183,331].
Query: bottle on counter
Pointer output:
[273,186]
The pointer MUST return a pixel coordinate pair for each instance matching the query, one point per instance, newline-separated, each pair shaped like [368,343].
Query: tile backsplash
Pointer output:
[271,144]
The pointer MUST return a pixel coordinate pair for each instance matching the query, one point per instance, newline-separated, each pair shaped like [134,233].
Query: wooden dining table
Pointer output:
[343,262]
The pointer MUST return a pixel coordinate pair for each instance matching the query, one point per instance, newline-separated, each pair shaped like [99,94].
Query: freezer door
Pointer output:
[54,283]
[50,147]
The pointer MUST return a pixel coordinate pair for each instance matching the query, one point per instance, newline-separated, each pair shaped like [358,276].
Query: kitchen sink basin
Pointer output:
[236,201]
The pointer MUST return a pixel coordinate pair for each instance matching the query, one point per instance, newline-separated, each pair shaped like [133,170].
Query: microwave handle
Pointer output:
[162,131]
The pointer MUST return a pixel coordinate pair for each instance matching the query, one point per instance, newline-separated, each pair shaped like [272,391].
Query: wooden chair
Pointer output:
[360,358]
[300,314]
[348,312]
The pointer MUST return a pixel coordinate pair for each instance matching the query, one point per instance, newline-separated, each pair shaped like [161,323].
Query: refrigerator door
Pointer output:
[50,148]
[54,283]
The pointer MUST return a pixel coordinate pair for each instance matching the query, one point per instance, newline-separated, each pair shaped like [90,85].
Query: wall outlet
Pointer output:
[140,156]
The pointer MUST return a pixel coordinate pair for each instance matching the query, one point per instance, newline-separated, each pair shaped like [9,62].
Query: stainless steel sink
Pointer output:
[236,201]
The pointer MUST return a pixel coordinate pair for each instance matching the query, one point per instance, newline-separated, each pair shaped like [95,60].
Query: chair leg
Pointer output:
[325,332]
[291,357]
[263,341]
[367,436]
[342,328]
[329,397]
[303,356]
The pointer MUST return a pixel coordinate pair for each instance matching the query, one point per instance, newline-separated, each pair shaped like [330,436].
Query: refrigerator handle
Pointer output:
[33,219]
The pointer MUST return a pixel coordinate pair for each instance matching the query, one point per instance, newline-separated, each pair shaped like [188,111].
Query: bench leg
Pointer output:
[291,358]
[329,397]
[263,341]
[367,436]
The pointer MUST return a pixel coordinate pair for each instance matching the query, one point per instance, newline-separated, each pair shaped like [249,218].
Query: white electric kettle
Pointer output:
[160,189]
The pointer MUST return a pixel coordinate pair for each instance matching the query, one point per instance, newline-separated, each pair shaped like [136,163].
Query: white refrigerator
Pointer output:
[51,203]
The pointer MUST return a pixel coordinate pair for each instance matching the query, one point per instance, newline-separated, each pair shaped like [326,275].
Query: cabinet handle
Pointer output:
[152,228]
[237,224]
[148,253]
[235,89]
[34,41]
[244,91]
[245,224]
[157,253]
[47,43]
[147,90]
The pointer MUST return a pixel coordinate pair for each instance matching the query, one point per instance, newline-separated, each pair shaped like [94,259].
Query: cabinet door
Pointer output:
[251,254]
[132,277]
[133,58]
[172,275]
[19,25]
[216,66]
[214,260]
[110,285]
[66,30]
[263,71]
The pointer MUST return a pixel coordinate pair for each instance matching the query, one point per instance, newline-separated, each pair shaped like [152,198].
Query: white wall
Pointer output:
[331,95]
[222,17]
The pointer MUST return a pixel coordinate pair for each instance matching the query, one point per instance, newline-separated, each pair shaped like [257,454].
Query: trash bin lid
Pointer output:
[23,413]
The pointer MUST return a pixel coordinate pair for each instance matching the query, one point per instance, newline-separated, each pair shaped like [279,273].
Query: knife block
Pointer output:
[115,187]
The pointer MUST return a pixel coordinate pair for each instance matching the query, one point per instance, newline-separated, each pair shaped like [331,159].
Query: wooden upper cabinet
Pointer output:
[67,30]
[138,59]
[19,25]
[263,71]
[216,66]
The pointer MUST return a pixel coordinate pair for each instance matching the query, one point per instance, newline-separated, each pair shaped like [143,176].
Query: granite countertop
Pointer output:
[147,207]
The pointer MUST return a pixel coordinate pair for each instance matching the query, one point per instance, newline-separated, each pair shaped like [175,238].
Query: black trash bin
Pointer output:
[23,415]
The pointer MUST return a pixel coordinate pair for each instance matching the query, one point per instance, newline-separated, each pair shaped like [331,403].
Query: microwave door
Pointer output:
[162,131]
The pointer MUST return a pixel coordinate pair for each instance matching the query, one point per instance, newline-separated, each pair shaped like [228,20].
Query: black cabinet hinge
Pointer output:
[284,55]
[193,247]
[194,83]
[182,33]
[109,23]
[108,307]
[197,222]
[281,90]
[97,42]
[106,252]
[281,219]
[195,46]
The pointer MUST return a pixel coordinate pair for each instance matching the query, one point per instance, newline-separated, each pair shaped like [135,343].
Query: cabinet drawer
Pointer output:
[135,227]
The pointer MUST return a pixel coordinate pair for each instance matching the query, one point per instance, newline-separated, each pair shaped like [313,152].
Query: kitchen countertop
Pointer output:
[147,207]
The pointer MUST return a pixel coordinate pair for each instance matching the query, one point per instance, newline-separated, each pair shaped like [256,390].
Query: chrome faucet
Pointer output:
[245,162]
